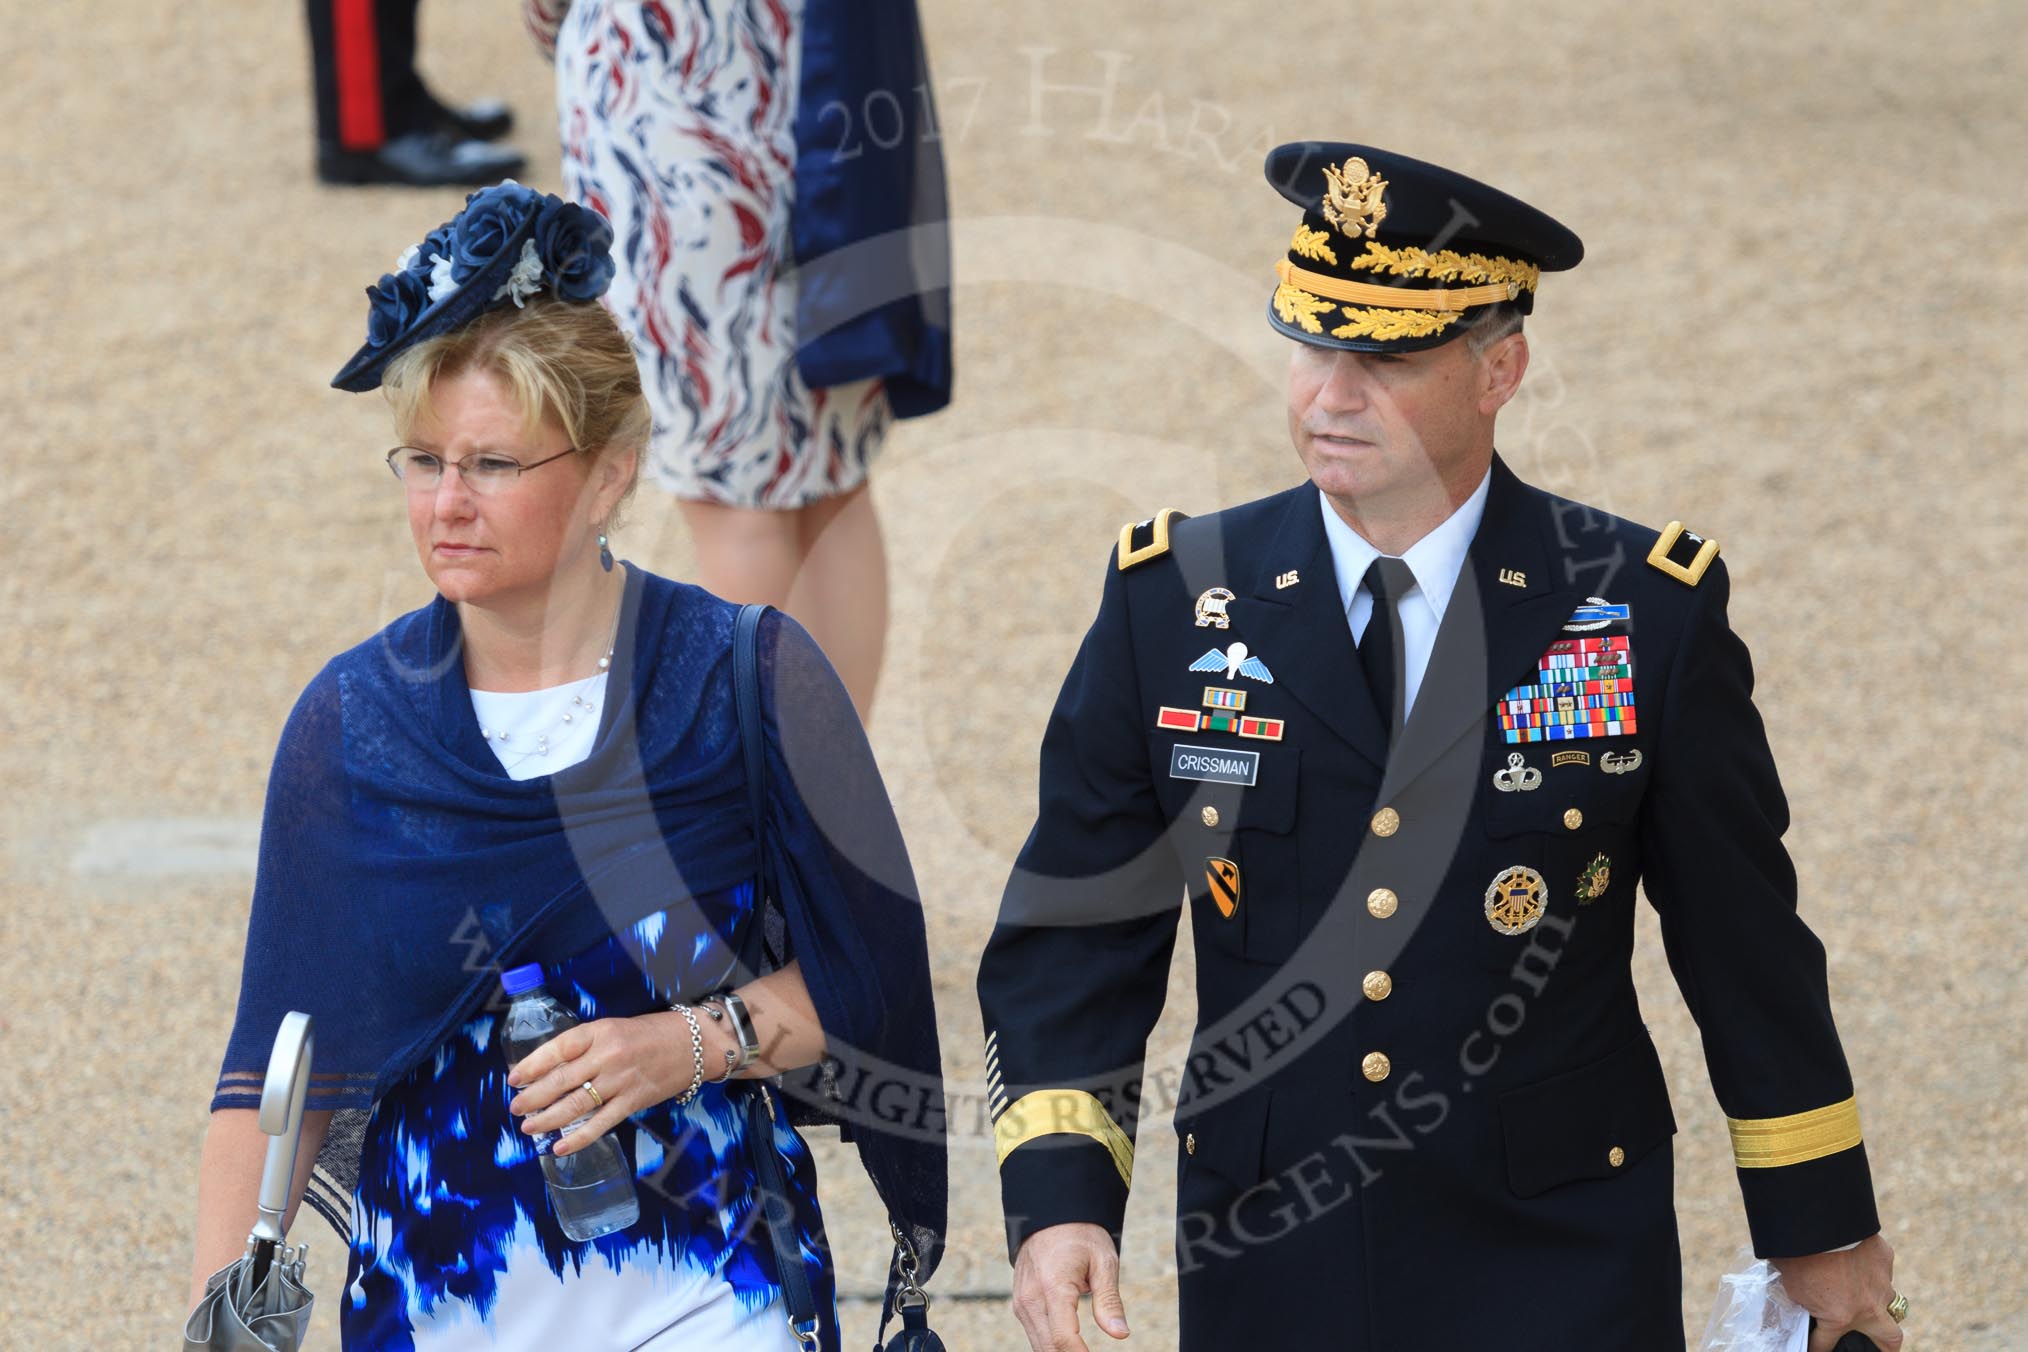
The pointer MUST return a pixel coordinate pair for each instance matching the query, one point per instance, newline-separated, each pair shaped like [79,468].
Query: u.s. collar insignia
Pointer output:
[1234,661]
[1620,763]
[1283,581]
[1514,900]
[1222,877]
[1596,878]
[1518,777]
[1597,613]
[1211,609]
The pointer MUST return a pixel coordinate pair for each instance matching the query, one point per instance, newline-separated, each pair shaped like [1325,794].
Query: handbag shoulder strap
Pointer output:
[902,1293]
[746,698]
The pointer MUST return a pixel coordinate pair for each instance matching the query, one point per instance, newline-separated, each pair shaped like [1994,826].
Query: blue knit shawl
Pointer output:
[401,870]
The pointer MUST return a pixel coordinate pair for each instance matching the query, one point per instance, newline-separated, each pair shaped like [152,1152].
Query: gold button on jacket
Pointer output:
[1375,1066]
[1377,985]
[1386,822]
[1382,902]
[1616,1157]
[1572,818]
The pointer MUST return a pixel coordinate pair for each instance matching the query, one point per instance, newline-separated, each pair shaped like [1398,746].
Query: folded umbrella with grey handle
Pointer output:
[257,1302]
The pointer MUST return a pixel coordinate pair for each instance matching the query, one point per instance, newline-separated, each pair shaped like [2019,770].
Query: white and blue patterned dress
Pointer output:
[456,1246]
[678,125]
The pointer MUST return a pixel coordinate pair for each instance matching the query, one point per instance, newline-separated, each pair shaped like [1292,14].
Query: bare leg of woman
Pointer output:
[745,554]
[840,592]
[825,564]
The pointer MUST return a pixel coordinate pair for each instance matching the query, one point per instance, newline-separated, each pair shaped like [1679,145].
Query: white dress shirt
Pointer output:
[1434,559]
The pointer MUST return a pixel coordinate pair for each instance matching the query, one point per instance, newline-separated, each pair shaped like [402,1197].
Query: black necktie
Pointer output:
[1380,649]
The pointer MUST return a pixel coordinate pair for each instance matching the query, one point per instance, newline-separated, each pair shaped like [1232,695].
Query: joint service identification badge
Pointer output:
[1514,900]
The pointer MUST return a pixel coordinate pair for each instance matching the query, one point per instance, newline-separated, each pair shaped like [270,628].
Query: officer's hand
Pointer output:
[1054,1267]
[1845,1291]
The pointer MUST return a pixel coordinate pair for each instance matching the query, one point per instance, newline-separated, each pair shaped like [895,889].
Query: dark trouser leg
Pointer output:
[409,105]
[362,56]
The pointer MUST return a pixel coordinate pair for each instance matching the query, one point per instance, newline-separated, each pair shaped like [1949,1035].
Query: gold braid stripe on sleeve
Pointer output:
[1770,1142]
[1073,1112]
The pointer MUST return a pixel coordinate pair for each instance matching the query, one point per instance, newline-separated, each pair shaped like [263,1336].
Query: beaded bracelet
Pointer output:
[696,1056]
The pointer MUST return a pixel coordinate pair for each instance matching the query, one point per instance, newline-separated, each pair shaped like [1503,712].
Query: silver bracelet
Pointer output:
[743,1034]
[696,1056]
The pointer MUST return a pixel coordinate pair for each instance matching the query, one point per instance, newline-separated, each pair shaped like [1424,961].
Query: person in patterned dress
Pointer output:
[678,121]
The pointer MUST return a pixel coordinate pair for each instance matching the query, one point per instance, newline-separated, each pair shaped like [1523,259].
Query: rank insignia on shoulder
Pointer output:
[1597,613]
[1211,609]
[1683,555]
[1144,540]
[1234,661]
[1222,877]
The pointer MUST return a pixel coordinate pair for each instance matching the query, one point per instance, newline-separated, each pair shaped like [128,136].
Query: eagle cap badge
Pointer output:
[1353,198]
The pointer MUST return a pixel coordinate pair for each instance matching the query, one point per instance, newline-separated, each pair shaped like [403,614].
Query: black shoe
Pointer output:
[420,159]
[486,120]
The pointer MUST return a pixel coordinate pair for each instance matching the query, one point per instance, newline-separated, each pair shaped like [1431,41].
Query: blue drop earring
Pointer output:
[605,554]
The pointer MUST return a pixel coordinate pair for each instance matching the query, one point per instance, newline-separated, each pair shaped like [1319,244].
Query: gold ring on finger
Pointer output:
[1897,1309]
[597,1102]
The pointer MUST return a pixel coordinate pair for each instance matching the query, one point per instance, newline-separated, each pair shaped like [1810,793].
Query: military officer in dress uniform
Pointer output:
[1403,740]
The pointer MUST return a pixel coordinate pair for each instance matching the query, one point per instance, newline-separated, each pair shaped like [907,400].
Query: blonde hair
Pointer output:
[561,360]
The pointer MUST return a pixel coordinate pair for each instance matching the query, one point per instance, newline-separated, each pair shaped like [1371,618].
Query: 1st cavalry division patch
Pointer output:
[1222,876]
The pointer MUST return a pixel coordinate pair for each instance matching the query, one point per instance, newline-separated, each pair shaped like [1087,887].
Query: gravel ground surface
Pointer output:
[1798,329]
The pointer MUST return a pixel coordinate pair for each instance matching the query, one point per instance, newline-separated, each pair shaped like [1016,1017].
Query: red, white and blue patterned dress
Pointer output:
[678,125]
[456,1247]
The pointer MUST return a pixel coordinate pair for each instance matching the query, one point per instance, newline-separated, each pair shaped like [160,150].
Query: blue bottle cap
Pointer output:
[518,980]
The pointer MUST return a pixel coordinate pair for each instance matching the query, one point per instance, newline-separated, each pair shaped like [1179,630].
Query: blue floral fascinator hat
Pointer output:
[508,244]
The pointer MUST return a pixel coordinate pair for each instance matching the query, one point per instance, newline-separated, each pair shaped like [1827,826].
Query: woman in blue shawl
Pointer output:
[544,765]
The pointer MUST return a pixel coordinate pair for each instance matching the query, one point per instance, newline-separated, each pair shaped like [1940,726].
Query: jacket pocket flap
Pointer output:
[1591,1122]
[1226,1138]
[1600,799]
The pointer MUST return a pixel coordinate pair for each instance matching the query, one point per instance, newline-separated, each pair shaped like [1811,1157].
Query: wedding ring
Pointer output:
[597,1102]
[1897,1309]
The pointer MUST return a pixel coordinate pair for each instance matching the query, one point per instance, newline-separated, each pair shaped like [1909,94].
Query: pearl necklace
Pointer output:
[578,705]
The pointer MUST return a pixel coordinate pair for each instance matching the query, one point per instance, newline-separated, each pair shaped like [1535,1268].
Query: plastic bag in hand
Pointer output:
[1754,1314]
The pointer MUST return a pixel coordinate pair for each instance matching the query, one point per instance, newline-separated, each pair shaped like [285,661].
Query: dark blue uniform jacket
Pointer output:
[1402,1125]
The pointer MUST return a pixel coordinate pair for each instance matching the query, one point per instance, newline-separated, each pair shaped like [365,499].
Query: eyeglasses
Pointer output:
[486,472]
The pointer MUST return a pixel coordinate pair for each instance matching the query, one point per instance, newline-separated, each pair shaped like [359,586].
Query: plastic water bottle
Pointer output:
[591,1189]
